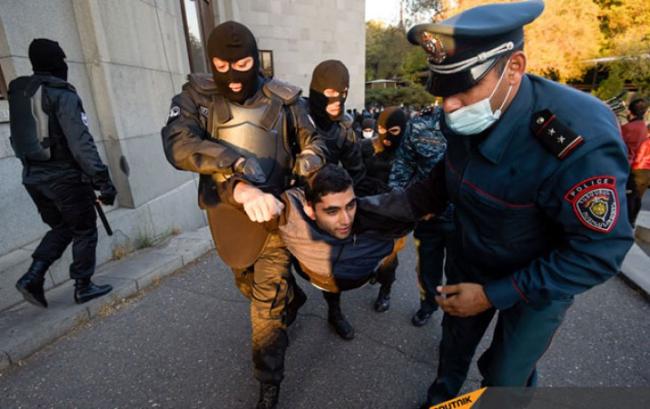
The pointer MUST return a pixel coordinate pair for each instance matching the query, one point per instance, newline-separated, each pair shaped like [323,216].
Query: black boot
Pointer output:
[299,299]
[382,303]
[31,284]
[85,290]
[269,395]
[423,315]
[340,324]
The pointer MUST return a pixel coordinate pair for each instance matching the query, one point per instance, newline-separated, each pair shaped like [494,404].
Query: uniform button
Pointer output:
[540,120]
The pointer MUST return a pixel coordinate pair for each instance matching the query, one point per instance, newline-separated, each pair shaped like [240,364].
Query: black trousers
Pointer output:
[637,185]
[431,237]
[522,335]
[385,276]
[68,207]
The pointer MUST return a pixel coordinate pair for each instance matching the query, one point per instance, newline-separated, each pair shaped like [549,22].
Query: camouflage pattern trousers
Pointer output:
[269,286]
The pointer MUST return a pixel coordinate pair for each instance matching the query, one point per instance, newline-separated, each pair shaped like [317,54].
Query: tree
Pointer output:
[625,25]
[386,47]
[421,11]
[412,95]
[560,41]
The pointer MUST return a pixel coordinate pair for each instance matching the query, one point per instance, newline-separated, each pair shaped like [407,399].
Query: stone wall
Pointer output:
[303,33]
[127,58]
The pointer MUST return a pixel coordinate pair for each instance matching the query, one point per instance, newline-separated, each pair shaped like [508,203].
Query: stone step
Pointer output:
[24,328]
[636,267]
[642,231]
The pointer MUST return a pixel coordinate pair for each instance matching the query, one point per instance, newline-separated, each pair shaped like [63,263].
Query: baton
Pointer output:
[102,216]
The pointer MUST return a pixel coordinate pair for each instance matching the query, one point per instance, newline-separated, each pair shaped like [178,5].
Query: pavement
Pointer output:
[24,329]
[184,342]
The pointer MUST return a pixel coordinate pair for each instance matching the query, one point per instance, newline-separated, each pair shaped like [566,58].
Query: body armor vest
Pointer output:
[256,130]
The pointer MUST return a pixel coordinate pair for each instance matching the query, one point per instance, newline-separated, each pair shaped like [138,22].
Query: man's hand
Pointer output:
[260,207]
[463,300]
[107,193]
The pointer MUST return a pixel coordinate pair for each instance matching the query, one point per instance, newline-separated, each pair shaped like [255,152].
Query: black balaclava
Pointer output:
[390,117]
[232,41]
[47,56]
[328,74]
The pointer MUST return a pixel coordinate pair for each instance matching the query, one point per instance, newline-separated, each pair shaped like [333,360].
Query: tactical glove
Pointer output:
[251,170]
[107,193]
[307,164]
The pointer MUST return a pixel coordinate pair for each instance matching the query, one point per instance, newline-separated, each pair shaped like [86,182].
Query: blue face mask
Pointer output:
[474,119]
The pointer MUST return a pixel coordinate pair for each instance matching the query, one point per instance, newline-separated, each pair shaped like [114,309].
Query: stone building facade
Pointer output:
[127,58]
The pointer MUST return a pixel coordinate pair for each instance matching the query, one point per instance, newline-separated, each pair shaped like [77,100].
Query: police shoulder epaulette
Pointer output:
[554,135]
[287,93]
[202,83]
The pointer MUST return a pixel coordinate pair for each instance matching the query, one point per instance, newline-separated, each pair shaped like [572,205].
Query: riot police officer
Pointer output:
[61,174]
[234,121]
[328,91]
[378,155]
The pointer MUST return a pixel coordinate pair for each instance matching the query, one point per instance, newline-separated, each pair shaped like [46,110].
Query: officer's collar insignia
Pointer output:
[432,44]
[554,135]
[595,203]
[203,110]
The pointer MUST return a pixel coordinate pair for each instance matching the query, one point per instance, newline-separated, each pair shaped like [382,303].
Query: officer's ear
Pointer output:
[309,210]
[516,67]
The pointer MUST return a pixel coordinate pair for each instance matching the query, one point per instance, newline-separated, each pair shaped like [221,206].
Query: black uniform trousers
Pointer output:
[269,286]
[385,276]
[431,237]
[68,207]
[522,335]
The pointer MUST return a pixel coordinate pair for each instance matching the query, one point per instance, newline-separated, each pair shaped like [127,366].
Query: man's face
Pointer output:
[335,213]
[333,109]
[394,131]
[242,65]
[515,65]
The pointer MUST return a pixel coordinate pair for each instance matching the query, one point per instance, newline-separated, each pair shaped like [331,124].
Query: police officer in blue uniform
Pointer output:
[424,145]
[536,172]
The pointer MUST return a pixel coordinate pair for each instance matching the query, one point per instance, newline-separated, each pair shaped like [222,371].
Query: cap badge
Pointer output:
[433,46]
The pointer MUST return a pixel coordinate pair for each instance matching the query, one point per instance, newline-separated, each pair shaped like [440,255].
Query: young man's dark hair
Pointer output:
[330,179]
[638,107]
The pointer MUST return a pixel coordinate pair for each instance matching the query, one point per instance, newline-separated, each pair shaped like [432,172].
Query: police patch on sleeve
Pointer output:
[84,118]
[595,203]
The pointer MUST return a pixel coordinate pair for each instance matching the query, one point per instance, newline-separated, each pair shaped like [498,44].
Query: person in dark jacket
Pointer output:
[378,156]
[235,122]
[536,172]
[328,91]
[423,146]
[336,248]
[62,187]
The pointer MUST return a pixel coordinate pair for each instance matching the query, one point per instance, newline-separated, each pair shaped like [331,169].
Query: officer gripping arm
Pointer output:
[351,157]
[583,198]
[186,143]
[311,146]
